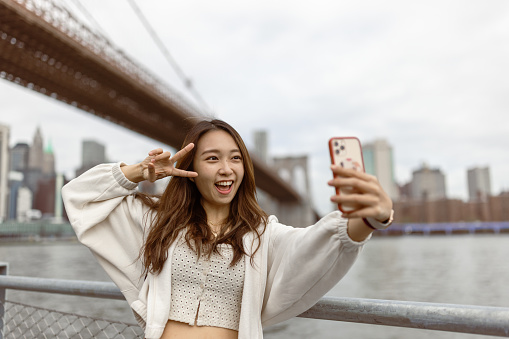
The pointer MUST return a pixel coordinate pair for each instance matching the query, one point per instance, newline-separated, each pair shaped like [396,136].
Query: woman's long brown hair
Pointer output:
[179,208]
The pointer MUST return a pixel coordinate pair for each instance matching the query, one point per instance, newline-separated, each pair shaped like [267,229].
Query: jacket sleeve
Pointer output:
[109,220]
[304,264]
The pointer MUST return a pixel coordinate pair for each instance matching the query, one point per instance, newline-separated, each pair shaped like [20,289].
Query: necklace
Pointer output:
[219,225]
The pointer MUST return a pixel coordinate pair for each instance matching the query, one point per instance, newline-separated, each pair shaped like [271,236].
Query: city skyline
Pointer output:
[28,180]
[95,145]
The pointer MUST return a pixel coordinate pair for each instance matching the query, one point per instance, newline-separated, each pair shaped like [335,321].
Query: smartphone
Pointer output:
[346,152]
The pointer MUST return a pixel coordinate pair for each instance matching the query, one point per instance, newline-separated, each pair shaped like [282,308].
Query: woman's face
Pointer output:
[220,169]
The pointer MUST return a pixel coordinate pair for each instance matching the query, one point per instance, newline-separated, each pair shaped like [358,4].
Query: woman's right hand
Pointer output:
[158,165]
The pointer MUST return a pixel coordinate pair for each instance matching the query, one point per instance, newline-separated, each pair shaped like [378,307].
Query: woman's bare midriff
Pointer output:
[178,330]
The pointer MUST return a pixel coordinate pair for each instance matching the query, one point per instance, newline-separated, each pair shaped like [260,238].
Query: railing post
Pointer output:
[4,270]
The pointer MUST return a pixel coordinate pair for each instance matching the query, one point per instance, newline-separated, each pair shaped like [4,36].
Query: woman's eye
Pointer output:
[237,157]
[212,158]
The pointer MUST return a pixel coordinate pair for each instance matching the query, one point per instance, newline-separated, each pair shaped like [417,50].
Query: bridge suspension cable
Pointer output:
[166,53]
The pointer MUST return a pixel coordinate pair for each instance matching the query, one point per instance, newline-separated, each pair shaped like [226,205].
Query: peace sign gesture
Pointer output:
[158,165]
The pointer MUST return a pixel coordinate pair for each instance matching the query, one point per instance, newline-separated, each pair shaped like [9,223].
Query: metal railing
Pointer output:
[28,322]
[484,320]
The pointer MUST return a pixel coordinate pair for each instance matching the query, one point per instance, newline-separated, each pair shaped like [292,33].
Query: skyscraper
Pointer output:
[427,184]
[36,154]
[40,169]
[260,144]
[479,183]
[35,162]
[23,204]
[15,183]
[19,157]
[379,161]
[48,161]
[92,153]
[4,169]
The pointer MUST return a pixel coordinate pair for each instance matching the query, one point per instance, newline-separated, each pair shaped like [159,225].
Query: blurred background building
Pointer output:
[19,157]
[479,183]
[4,170]
[261,145]
[427,184]
[92,153]
[28,180]
[379,161]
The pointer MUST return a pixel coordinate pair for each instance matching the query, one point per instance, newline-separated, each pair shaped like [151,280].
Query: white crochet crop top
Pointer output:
[206,292]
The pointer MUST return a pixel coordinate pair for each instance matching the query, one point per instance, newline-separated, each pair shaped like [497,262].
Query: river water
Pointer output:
[458,269]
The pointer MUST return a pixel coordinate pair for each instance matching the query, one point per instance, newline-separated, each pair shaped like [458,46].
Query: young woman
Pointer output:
[203,260]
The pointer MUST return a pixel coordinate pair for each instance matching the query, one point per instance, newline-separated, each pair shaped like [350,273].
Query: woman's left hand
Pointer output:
[365,195]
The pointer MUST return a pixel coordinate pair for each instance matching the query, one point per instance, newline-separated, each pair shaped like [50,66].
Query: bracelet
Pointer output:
[378,225]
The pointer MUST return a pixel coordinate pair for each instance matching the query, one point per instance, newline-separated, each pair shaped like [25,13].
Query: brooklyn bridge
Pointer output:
[45,48]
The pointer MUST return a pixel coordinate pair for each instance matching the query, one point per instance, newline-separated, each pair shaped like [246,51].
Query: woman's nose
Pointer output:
[225,168]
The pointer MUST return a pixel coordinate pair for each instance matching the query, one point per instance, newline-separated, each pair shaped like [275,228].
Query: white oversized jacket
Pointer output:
[293,268]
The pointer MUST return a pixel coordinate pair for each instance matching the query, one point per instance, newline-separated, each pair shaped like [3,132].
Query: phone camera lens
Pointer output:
[337,151]
[342,147]
[336,143]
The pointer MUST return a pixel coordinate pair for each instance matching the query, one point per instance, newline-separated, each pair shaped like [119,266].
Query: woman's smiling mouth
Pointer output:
[224,187]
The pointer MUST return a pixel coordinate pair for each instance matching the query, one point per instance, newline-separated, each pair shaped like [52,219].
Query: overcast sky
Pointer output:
[430,77]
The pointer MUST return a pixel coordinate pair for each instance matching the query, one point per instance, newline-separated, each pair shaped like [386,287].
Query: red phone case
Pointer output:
[347,152]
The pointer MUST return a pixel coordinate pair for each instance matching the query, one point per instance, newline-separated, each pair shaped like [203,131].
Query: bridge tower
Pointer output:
[294,170]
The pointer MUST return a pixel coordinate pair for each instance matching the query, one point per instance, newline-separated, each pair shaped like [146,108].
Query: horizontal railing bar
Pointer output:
[484,320]
[96,289]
